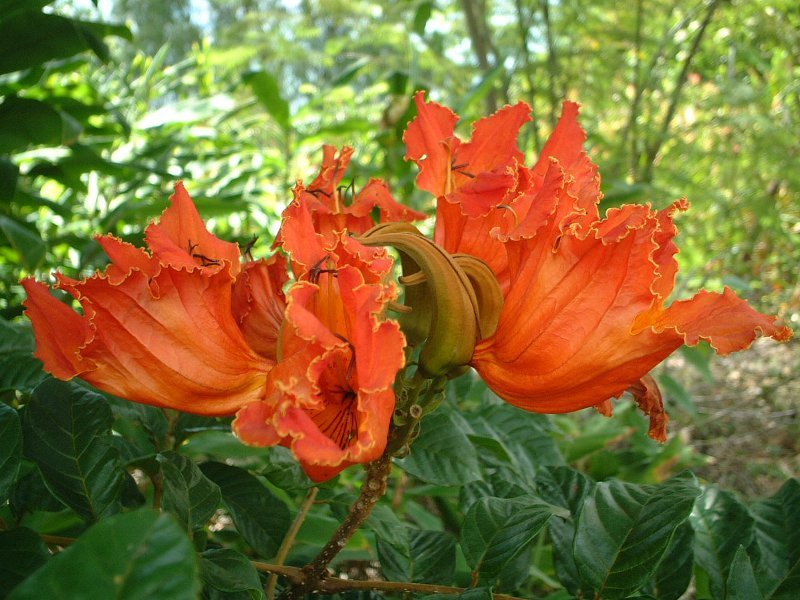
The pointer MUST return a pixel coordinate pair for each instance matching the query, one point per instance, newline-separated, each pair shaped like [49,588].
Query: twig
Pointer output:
[286,545]
[333,584]
[373,489]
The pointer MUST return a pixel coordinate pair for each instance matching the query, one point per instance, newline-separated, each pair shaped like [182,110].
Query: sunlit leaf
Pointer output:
[25,240]
[268,92]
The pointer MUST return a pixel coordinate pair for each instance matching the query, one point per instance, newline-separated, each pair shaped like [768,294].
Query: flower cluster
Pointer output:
[556,308]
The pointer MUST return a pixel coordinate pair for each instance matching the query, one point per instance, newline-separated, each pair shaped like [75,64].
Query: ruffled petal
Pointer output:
[60,332]
[258,303]
[180,238]
[431,144]
[723,320]
[125,257]
[648,397]
[176,347]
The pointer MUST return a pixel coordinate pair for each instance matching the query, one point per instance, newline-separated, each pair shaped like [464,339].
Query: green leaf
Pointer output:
[188,494]
[624,530]
[429,557]
[25,122]
[442,454]
[268,92]
[421,16]
[25,239]
[777,538]
[142,554]
[567,488]
[67,434]
[260,517]
[700,358]
[31,38]
[227,570]
[22,551]
[741,584]
[9,173]
[674,572]
[721,523]
[10,449]
[496,530]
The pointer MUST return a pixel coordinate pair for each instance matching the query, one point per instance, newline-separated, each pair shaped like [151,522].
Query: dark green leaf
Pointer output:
[25,239]
[624,530]
[25,122]
[67,434]
[188,494]
[230,571]
[430,556]
[260,517]
[442,454]
[777,538]
[496,530]
[674,573]
[30,494]
[721,524]
[741,584]
[10,449]
[22,551]
[567,488]
[55,37]
[143,554]
[266,89]
[9,172]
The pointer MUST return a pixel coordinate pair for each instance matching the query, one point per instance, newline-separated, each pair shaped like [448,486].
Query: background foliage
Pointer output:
[104,107]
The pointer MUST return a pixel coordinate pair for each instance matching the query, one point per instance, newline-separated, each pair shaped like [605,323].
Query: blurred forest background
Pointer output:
[106,103]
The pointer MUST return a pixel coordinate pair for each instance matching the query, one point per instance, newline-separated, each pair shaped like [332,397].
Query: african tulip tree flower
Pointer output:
[331,398]
[157,327]
[585,315]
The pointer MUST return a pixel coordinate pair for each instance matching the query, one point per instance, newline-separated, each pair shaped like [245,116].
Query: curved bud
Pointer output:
[487,291]
[444,306]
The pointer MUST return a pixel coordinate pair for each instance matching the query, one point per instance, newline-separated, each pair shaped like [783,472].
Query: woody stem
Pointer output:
[373,489]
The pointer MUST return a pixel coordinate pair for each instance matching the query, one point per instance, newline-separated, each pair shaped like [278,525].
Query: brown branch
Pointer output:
[522,29]
[475,16]
[332,585]
[373,489]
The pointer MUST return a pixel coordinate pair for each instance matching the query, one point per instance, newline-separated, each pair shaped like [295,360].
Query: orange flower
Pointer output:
[156,328]
[331,398]
[333,207]
[584,316]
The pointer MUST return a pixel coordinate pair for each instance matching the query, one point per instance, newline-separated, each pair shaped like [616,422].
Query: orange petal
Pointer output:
[376,194]
[176,347]
[724,320]
[180,238]
[253,425]
[258,303]
[648,397]
[60,331]
[494,140]
[124,257]
[430,142]
[334,165]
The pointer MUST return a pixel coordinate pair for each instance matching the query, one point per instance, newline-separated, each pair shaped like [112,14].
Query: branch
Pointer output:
[552,62]
[373,489]
[332,585]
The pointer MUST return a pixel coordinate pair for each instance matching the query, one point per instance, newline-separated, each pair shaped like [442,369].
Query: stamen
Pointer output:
[513,212]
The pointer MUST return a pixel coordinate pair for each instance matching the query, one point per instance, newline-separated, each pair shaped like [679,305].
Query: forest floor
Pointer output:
[748,421]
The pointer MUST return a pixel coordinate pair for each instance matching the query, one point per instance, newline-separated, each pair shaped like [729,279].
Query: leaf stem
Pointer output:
[286,545]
